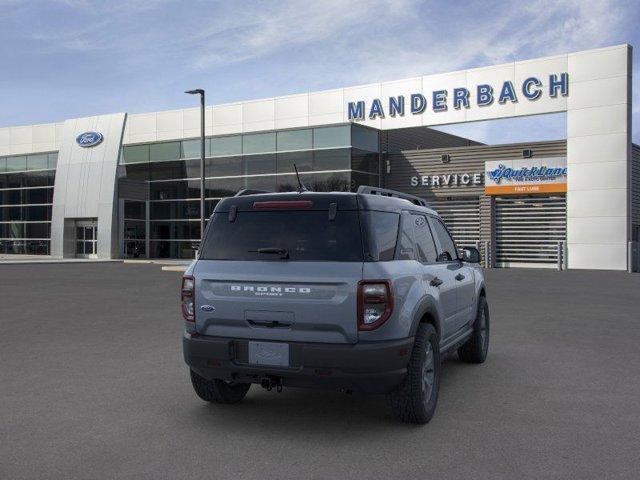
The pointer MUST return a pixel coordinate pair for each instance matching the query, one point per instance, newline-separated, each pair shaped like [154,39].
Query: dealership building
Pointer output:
[127,185]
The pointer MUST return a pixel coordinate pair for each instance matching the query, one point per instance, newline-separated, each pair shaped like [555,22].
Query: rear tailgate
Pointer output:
[278,300]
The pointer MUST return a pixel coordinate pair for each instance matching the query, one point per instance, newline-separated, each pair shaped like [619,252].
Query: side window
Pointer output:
[447,249]
[424,241]
[383,229]
[406,249]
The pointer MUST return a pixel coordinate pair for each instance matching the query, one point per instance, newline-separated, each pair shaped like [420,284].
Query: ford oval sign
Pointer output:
[89,139]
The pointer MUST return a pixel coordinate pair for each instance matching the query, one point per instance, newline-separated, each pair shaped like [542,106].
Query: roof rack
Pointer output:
[248,191]
[385,192]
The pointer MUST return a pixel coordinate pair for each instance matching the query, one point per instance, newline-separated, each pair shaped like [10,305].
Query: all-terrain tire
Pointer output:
[414,401]
[218,391]
[476,348]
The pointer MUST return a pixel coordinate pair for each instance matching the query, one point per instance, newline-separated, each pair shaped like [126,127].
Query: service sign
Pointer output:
[524,176]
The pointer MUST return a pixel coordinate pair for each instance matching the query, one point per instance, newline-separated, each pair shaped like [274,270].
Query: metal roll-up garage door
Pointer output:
[528,230]
[462,217]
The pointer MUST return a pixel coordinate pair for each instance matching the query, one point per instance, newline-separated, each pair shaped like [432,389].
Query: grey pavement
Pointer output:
[92,385]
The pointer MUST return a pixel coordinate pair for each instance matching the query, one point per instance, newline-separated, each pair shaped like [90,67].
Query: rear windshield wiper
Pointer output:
[284,254]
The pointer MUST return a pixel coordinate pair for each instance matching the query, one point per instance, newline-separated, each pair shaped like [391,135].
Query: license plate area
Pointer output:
[269,353]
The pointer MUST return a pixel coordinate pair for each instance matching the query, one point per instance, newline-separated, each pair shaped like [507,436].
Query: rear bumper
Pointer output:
[375,367]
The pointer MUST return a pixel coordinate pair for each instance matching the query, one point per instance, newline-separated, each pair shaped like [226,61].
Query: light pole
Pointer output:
[200,91]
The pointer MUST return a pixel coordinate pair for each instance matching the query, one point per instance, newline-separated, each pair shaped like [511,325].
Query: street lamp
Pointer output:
[200,91]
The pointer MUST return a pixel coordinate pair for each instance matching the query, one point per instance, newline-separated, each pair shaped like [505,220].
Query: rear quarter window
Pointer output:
[381,234]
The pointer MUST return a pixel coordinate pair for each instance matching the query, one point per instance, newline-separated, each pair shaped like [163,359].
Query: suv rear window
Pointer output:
[302,235]
[305,235]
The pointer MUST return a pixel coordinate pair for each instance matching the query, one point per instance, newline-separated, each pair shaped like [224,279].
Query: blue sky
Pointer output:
[65,59]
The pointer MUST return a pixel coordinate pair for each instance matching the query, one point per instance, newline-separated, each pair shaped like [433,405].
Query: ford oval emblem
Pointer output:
[89,139]
[207,308]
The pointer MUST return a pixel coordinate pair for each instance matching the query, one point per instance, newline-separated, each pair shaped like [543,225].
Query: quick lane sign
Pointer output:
[482,95]
[513,177]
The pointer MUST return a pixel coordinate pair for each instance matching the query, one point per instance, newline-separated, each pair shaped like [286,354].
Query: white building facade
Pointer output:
[68,195]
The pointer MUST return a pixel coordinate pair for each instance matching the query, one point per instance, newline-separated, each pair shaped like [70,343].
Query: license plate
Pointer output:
[268,353]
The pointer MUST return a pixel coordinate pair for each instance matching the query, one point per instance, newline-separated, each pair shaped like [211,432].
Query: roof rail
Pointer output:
[385,192]
[248,191]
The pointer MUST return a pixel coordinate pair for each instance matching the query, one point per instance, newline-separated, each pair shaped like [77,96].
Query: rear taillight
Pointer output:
[187,298]
[375,303]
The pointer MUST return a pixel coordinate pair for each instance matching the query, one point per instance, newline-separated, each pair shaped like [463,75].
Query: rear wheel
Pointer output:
[218,391]
[476,348]
[414,401]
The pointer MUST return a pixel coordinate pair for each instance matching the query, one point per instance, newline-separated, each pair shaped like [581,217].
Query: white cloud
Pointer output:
[313,45]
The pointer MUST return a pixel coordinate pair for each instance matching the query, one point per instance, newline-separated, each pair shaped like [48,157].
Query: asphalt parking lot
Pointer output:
[92,385]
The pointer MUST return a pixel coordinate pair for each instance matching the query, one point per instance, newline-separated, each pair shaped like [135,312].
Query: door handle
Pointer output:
[436,282]
[459,277]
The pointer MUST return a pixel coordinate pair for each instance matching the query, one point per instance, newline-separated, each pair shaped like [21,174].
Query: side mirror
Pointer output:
[471,255]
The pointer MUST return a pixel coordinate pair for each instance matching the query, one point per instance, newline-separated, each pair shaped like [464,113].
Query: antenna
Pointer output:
[301,187]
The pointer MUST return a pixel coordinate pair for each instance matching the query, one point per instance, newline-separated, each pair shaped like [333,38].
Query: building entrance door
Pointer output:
[87,239]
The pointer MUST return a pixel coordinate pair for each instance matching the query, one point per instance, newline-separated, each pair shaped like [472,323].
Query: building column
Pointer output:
[599,158]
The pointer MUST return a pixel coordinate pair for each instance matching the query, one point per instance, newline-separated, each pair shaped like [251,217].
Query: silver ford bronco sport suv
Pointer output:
[357,291]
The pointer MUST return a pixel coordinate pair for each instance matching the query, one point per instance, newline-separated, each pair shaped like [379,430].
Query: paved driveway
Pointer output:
[92,385]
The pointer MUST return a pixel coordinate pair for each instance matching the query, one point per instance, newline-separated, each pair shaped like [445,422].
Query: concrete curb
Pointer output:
[174,268]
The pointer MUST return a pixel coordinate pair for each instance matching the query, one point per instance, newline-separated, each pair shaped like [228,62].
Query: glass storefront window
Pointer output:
[223,166]
[175,189]
[38,213]
[339,159]
[176,249]
[38,195]
[3,165]
[25,212]
[329,137]
[137,171]
[134,249]
[223,187]
[178,210]
[191,148]
[295,140]
[259,164]
[182,230]
[175,170]
[302,160]
[14,230]
[134,230]
[257,161]
[133,209]
[358,179]
[364,161]
[259,143]
[38,230]
[135,154]
[38,179]
[288,183]
[37,162]
[225,146]
[16,164]
[11,197]
[266,183]
[162,152]
[364,138]
[52,160]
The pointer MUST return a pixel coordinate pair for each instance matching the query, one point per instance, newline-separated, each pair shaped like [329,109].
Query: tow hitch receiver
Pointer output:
[270,382]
